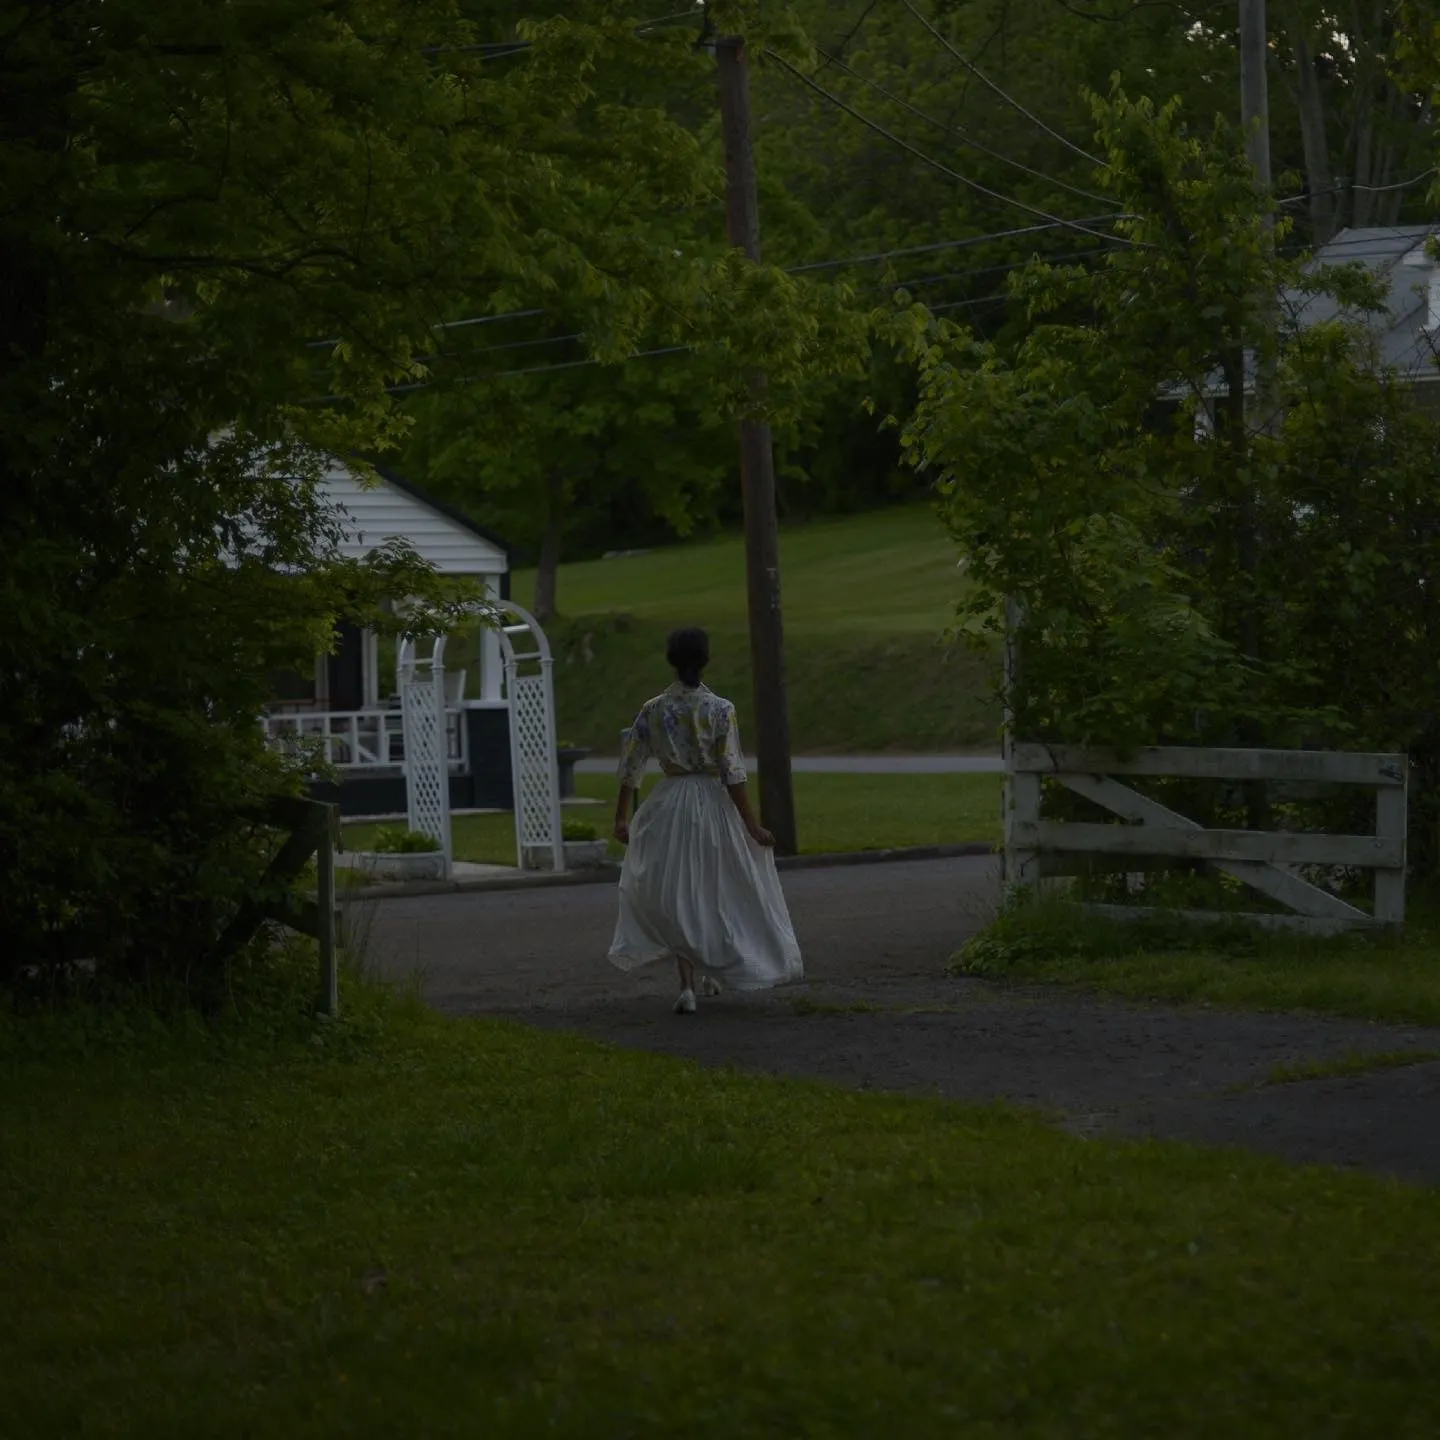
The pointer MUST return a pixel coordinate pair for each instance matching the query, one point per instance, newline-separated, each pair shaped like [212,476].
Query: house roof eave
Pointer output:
[440,507]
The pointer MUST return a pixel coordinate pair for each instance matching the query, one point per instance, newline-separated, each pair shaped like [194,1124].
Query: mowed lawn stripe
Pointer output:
[884,571]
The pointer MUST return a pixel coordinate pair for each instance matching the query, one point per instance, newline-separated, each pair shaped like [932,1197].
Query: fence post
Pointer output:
[314,830]
[325,911]
[1020,791]
[1392,810]
[1022,815]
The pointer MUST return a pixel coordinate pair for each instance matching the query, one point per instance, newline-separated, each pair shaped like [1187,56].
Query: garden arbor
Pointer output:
[530,697]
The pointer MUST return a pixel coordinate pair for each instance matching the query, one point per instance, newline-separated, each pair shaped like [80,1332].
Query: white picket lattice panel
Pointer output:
[534,752]
[427,749]
[534,764]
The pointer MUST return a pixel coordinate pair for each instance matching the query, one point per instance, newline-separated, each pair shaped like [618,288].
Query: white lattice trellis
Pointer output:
[427,751]
[534,762]
[531,750]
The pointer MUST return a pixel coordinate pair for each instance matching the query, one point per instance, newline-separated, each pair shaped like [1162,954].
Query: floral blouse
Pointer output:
[689,731]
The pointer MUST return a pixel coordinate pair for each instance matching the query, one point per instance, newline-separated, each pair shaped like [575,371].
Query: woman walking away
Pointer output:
[699,879]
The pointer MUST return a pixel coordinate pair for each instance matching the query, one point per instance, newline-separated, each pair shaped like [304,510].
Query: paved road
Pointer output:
[855,765]
[877,1010]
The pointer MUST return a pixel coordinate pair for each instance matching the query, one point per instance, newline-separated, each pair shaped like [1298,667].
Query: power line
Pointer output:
[1399,184]
[964,138]
[972,304]
[960,244]
[589,361]
[1004,95]
[486,319]
[849,35]
[494,50]
[903,284]
[943,168]
[1341,186]
[443,325]
[1187,10]
[499,49]
[1363,240]
[963,243]
[528,370]
[1069,255]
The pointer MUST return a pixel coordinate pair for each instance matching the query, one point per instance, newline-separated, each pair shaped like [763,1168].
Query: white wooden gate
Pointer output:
[1264,860]
[427,749]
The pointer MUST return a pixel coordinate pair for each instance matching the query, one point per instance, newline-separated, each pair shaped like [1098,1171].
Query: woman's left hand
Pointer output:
[622,832]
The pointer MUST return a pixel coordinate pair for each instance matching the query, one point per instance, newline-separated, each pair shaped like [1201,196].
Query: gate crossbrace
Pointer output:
[1270,879]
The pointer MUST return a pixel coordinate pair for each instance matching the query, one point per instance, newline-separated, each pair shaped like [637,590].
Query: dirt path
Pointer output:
[877,1011]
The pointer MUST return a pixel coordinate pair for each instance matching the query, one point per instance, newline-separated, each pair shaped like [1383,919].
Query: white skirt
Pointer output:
[694,884]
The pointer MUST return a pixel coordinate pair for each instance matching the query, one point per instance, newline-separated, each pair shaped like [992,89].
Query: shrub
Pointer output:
[578,830]
[1034,931]
[396,840]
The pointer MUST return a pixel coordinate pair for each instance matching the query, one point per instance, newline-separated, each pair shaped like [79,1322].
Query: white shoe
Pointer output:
[709,985]
[685,1005]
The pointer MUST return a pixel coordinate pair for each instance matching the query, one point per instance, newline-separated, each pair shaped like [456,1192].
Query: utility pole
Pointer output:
[757,475]
[1255,119]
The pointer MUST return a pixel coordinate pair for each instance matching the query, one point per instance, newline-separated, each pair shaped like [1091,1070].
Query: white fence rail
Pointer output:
[358,739]
[1153,834]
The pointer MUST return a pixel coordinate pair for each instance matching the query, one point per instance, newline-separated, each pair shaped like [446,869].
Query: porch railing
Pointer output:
[357,739]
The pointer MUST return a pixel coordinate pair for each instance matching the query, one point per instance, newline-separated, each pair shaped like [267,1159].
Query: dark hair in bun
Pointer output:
[689,652]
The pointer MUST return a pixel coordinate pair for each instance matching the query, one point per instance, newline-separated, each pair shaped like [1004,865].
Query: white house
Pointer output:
[348,707]
[1407,331]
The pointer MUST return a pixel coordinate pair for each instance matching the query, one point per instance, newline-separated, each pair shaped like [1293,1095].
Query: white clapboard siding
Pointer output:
[375,514]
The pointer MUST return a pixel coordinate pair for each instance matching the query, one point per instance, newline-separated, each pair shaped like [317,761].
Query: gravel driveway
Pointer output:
[877,1011]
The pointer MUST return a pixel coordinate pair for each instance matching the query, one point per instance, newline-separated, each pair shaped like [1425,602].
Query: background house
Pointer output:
[348,707]
[1408,330]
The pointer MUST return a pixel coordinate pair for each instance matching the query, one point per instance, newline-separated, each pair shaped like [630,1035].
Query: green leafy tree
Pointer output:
[523,432]
[933,155]
[624,452]
[196,196]
[1346,134]
[1187,570]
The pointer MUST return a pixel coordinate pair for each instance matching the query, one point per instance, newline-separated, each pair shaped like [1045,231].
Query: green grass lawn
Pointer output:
[867,599]
[881,573]
[421,1227]
[836,812]
[1387,978]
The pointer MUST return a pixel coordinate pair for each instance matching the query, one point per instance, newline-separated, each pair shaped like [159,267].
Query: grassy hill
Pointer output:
[866,598]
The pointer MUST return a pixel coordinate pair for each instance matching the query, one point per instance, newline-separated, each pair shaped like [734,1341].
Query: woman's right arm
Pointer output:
[740,794]
[730,761]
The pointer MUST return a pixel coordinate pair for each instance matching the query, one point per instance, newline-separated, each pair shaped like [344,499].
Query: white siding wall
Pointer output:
[385,512]
[491,662]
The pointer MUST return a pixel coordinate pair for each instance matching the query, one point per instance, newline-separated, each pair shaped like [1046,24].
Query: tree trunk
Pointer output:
[1363,145]
[548,567]
[1386,209]
[1242,551]
[1311,105]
